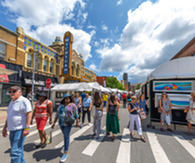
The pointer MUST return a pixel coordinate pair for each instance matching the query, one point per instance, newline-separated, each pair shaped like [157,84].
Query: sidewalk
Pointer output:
[3,114]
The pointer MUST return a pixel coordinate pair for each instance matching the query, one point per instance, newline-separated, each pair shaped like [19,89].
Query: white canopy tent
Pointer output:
[175,69]
[76,87]
[105,90]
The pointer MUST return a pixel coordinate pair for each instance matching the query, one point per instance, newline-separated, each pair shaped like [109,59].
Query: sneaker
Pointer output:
[64,157]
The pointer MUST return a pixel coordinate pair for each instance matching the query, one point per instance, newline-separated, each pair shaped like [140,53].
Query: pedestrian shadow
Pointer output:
[84,137]
[8,150]
[47,155]
[29,147]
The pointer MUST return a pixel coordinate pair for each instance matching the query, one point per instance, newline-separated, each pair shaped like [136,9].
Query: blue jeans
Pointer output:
[66,132]
[17,143]
[104,102]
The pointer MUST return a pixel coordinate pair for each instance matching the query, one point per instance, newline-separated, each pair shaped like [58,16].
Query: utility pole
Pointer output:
[35,53]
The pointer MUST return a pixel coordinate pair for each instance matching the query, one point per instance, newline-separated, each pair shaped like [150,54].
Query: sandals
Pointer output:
[143,139]
[170,130]
[132,135]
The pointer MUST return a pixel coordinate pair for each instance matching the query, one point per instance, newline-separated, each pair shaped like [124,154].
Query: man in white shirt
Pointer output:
[19,114]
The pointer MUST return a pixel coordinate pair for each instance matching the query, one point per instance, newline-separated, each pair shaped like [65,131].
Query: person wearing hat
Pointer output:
[66,113]
[43,110]
[19,113]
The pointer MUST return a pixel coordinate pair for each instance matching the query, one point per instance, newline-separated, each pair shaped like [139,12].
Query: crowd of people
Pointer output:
[73,108]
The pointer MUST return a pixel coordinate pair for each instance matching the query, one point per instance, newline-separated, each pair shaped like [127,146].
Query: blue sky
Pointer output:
[114,36]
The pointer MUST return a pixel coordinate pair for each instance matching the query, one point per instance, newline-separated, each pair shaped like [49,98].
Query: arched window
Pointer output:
[51,66]
[45,64]
[29,60]
[78,71]
[39,63]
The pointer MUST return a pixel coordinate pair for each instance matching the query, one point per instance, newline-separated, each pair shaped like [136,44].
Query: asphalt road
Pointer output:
[160,146]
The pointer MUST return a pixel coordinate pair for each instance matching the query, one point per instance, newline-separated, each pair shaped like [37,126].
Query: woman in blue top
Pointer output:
[142,102]
[66,113]
[134,117]
[87,104]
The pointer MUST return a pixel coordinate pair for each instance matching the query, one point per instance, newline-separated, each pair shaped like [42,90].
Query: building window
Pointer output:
[39,63]
[51,67]
[2,50]
[29,60]
[45,65]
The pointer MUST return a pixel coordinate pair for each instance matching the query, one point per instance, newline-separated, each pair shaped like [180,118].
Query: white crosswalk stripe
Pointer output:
[125,148]
[158,152]
[75,135]
[188,146]
[91,148]
[55,133]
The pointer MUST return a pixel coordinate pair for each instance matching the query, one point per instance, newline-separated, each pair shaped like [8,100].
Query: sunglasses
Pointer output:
[12,91]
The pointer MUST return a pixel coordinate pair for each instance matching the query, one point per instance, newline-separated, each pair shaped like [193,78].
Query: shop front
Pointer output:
[6,81]
[39,82]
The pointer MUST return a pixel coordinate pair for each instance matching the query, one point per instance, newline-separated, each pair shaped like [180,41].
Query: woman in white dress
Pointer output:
[191,112]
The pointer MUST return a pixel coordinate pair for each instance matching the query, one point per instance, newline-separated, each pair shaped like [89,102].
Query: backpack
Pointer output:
[112,109]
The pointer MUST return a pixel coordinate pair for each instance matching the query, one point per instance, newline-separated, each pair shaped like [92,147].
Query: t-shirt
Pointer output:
[105,97]
[86,102]
[41,109]
[124,96]
[16,113]
[83,95]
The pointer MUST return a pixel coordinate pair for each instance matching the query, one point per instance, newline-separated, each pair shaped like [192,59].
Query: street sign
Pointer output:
[48,87]
[48,82]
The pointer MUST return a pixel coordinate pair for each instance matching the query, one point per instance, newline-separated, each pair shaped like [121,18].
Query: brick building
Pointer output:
[58,62]
[187,50]
[101,80]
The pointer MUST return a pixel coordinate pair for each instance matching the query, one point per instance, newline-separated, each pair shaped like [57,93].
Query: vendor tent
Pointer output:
[105,90]
[76,87]
[175,69]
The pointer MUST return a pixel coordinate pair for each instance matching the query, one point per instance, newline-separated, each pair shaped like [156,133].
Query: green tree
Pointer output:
[113,82]
[138,86]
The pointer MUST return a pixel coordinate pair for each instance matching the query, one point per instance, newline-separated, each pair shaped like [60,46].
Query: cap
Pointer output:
[16,88]
[43,94]
[66,95]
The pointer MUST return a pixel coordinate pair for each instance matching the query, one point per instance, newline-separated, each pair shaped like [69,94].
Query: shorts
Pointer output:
[41,122]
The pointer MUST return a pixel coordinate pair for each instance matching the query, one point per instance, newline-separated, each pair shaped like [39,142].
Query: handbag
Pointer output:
[167,119]
[69,120]
[85,108]
[49,137]
[159,110]
[142,115]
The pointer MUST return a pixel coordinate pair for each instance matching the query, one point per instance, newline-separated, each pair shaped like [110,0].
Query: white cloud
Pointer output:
[119,2]
[153,34]
[46,19]
[93,67]
[104,28]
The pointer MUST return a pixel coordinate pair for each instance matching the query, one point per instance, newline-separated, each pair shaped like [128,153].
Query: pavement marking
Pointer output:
[36,131]
[188,146]
[158,152]
[125,148]
[2,124]
[91,148]
[55,133]
[75,135]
